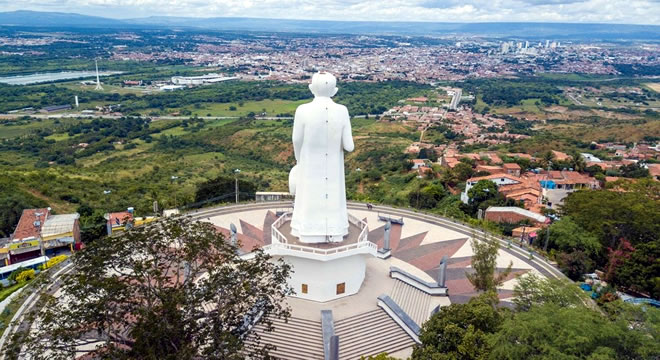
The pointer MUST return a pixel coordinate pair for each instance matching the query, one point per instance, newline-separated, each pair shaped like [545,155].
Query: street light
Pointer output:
[236,172]
[174,178]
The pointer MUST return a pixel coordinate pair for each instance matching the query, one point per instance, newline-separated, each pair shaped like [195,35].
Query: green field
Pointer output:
[270,107]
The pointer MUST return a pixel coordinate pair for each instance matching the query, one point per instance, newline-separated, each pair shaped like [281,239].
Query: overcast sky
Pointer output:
[593,11]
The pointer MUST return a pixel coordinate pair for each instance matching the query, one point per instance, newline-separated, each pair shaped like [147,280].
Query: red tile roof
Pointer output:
[26,225]
[116,219]
[495,176]
[511,166]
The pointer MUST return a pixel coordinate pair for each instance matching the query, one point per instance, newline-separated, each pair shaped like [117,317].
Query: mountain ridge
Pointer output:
[28,18]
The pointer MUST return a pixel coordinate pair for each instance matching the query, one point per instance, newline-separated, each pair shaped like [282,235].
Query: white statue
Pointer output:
[321,133]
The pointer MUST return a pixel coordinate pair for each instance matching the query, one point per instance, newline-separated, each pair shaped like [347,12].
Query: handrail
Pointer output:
[313,250]
[277,235]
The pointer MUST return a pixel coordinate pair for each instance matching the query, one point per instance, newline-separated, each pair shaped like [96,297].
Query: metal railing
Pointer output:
[364,229]
[313,250]
[276,235]
[278,240]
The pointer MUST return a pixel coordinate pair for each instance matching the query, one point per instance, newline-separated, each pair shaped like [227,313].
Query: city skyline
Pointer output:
[641,12]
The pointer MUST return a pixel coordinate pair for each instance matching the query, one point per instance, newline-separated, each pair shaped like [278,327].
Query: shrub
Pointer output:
[54,261]
[25,276]
[14,274]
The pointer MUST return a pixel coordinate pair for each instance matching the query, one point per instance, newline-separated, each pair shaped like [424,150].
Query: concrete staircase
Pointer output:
[370,333]
[297,339]
[413,301]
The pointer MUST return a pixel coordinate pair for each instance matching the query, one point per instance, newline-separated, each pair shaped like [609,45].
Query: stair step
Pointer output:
[413,301]
[347,336]
[370,334]
[358,317]
[393,345]
[296,339]
[367,323]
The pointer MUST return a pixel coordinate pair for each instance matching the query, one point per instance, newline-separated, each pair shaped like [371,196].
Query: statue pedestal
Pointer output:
[323,271]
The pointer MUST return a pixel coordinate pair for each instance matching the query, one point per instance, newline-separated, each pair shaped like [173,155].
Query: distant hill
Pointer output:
[55,19]
[526,30]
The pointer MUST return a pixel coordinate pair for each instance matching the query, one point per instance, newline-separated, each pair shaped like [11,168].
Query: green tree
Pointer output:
[634,170]
[426,197]
[460,331]
[640,270]
[463,171]
[174,289]
[551,331]
[484,264]
[93,226]
[577,161]
[223,188]
[568,236]
[12,203]
[481,191]
[546,158]
[574,264]
[614,215]
[533,290]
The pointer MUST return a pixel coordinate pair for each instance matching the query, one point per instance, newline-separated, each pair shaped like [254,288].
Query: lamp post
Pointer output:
[174,179]
[236,172]
[547,228]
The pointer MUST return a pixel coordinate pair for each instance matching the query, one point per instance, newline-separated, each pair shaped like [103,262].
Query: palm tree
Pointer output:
[548,156]
[577,162]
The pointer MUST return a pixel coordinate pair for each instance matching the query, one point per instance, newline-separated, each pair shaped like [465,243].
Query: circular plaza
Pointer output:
[414,263]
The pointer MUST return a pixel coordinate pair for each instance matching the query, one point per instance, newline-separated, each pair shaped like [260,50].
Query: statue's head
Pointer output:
[323,84]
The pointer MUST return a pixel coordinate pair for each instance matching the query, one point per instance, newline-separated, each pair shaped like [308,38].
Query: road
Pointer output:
[153,118]
[572,97]
[19,322]
[456,99]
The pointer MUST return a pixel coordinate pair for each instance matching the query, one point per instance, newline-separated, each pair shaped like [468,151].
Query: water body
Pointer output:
[50,77]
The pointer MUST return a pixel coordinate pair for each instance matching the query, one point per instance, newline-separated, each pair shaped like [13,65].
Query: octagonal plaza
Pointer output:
[361,320]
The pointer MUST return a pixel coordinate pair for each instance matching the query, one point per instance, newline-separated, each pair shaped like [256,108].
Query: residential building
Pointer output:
[54,108]
[654,171]
[558,184]
[40,233]
[512,215]
[123,220]
[61,233]
[118,221]
[525,189]
[490,169]
[25,242]
[512,169]
[498,179]
[417,163]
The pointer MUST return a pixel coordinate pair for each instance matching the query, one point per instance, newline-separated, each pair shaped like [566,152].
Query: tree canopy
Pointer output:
[551,320]
[484,263]
[568,236]
[459,331]
[172,290]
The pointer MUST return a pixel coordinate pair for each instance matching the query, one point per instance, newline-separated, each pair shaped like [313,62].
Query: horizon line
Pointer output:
[331,20]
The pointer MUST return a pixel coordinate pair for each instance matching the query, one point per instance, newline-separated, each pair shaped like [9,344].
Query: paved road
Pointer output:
[19,321]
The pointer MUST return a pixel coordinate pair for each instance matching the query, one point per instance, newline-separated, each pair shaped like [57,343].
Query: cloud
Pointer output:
[552,2]
[601,11]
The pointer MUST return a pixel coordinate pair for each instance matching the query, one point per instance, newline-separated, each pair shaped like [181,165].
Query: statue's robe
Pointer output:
[321,133]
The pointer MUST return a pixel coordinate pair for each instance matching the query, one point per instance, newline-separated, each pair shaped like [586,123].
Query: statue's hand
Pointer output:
[293,174]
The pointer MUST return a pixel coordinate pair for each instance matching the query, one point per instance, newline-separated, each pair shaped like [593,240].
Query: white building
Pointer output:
[590,158]
[201,79]
[498,179]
